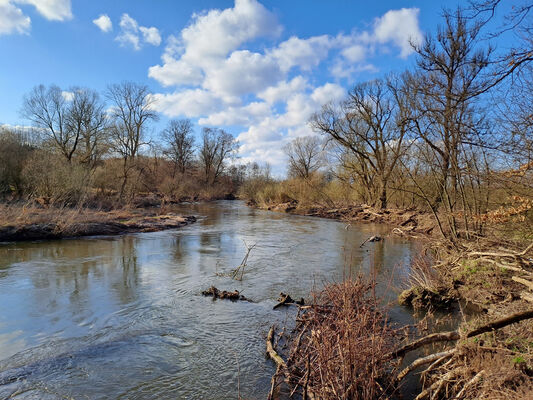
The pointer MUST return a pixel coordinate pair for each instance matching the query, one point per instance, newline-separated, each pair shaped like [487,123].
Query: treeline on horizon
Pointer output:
[91,149]
[452,136]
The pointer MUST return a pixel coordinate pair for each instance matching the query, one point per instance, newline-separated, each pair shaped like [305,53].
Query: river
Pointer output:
[123,317]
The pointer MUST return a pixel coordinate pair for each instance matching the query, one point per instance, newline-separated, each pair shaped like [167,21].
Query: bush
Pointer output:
[55,180]
[13,153]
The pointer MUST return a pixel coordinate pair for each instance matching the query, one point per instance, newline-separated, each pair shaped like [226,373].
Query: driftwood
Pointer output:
[224,294]
[272,353]
[280,363]
[287,300]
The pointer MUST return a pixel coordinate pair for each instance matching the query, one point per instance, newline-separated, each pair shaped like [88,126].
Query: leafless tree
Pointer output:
[444,109]
[88,117]
[305,156]
[217,147]
[179,140]
[370,129]
[74,126]
[131,112]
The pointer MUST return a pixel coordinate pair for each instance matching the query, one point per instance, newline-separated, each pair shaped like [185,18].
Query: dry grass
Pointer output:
[497,365]
[21,215]
[339,348]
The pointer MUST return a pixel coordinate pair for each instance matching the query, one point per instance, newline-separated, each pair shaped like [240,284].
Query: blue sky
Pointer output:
[257,68]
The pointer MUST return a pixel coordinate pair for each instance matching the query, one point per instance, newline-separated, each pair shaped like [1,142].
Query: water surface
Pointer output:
[123,318]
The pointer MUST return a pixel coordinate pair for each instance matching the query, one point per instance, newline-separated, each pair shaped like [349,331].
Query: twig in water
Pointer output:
[242,266]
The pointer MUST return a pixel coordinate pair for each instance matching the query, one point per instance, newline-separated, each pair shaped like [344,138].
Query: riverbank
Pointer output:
[403,222]
[487,279]
[20,223]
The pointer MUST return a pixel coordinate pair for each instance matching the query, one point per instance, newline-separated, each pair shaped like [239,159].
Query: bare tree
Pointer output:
[74,121]
[88,119]
[443,98]
[131,112]
[305,156]
[179,140]
[370,129]
[217,147]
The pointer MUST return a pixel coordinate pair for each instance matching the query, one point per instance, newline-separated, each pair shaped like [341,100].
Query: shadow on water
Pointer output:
[122,317]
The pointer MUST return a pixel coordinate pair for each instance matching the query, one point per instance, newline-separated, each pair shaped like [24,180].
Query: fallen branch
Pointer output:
[524,282]
[471,382]
[527,296]
[423,361]
[455,335]
[433,338]
[272,353]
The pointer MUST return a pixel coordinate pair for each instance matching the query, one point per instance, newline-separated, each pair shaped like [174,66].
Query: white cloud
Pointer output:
[355,53]
[242,73]
[270,93]
[131,33]
[151,35]
[68,96]
[104,23]
[54,10]
[190,103]
[304,53]
[400,27]
[243,116]
[216,33]
[283,90]
[12,20]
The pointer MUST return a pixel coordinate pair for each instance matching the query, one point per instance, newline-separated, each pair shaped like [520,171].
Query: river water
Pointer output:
[123,318]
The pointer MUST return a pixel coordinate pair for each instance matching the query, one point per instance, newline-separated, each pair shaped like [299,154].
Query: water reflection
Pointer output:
[122,317]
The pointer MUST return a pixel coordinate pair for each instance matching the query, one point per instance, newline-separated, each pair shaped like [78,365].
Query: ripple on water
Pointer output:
[124,318]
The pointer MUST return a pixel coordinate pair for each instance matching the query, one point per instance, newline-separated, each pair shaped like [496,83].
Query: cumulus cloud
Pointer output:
[399,27]
[151,35]
[13,19]
[104,23]
[131,34]
[53,10]
[270,94]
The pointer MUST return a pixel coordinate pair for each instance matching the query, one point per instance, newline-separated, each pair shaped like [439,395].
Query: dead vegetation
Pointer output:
[338,347]
[36,223]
